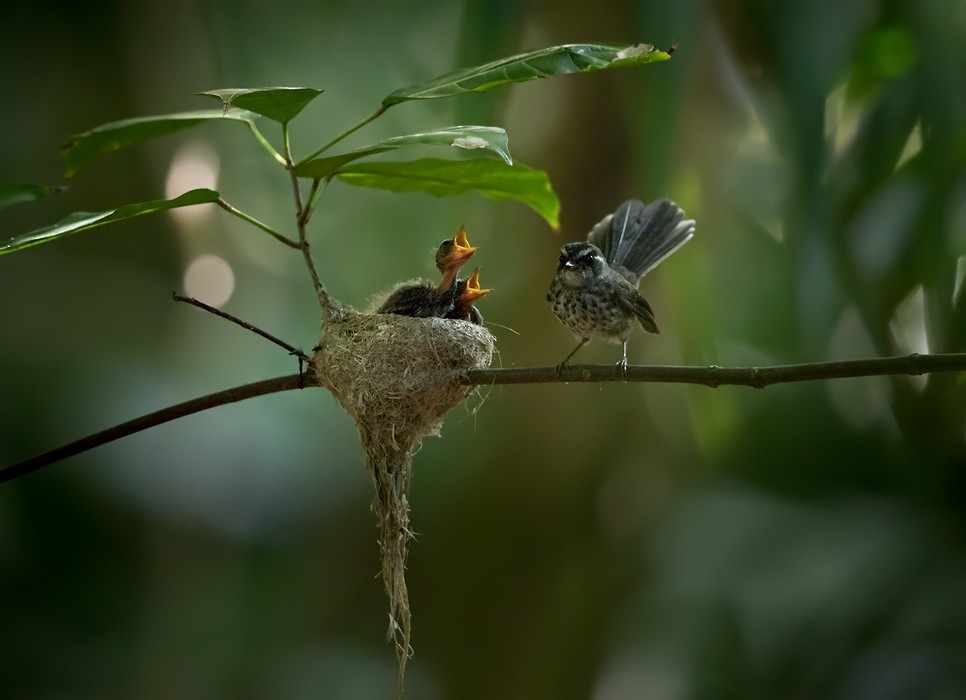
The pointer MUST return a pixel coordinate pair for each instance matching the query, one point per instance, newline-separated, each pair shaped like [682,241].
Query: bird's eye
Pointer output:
[563,258]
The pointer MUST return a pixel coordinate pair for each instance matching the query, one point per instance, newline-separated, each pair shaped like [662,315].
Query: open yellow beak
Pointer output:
[462,249]
[473,291]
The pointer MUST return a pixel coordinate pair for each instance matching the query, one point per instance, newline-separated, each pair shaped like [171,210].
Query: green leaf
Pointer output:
[441,178]
[468,137]
[81,149]
[82,220]
[17,192]
[543,63]
[280,104]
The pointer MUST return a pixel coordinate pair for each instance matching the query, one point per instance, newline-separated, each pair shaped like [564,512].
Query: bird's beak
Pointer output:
[473,292]
[462,250]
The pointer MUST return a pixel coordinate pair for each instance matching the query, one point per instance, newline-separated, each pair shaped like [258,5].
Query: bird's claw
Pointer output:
[622,363]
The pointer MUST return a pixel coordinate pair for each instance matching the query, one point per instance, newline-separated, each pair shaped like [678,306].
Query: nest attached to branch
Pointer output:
[395,376]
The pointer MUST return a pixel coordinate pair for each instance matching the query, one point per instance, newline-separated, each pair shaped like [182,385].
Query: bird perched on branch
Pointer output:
[422,299]
[468,292]
[594,292]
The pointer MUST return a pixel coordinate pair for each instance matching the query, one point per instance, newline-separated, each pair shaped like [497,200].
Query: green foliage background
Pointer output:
[574,541]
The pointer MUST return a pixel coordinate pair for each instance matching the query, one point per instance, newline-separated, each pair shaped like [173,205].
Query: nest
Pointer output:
[395,376]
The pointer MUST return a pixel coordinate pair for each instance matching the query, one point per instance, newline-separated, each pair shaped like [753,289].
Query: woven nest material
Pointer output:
[394,375]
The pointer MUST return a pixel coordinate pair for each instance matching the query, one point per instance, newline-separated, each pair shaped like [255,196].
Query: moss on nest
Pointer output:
[394,375]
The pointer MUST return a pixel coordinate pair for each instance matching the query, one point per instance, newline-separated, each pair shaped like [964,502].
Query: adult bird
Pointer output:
[421,298]
[468,292]
[594,291]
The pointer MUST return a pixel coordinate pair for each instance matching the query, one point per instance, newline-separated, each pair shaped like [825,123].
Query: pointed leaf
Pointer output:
[17,192]
[543,63]
[82,220]
[468,137]
[441,178]
[280,104]
[81,149]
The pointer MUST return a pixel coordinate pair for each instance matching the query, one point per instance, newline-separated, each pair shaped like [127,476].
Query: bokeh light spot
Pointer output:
[194,165]
[210,279]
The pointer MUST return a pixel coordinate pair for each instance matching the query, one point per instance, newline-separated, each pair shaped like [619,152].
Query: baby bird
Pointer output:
[468,292]
[422,299]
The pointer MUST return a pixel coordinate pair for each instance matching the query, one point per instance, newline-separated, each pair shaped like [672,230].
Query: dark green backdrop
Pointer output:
[583,541]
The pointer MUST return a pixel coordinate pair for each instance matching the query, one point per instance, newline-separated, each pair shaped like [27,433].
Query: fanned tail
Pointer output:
[637,237]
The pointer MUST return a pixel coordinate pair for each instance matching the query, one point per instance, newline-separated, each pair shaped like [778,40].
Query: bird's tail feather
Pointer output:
[638,237]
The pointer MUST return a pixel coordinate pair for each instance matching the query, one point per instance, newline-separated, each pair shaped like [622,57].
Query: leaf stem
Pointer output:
[256,223]
[268,147]
[330,144]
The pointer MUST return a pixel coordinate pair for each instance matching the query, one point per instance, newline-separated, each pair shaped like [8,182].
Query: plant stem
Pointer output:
[318,187]
[256,223]
[300,220]
[268,147]
[330,144]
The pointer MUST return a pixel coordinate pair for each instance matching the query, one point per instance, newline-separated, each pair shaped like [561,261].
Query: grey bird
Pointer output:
[594,292]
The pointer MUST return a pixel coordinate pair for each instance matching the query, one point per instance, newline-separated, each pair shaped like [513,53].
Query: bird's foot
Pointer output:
[622,363]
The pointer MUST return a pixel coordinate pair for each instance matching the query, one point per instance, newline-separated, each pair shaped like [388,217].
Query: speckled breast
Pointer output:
[590,312]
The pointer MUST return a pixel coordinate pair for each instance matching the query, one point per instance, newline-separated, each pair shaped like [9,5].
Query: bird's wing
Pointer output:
[632,302]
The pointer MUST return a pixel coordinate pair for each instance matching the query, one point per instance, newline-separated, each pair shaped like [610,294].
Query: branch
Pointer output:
[165,415]
[714,376]
[301,217]
[292,350]
[709,376]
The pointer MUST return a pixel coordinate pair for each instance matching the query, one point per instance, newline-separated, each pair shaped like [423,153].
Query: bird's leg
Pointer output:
[562,365]
[623,362]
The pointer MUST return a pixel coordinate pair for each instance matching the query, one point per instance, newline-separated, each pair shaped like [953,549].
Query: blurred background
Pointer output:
[574,541]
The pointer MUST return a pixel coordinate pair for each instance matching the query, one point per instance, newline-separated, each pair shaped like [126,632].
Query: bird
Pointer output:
[468,292]
[422,299]
[594,291]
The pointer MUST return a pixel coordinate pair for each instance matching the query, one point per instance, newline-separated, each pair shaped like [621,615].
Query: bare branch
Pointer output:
[165,415]
[292,350]
[714,376]
[709,376]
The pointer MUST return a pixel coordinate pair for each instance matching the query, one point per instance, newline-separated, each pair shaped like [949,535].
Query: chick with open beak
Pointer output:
[422,299]
[468,292]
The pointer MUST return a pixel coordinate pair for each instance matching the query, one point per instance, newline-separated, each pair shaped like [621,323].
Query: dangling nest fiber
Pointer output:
[395,376]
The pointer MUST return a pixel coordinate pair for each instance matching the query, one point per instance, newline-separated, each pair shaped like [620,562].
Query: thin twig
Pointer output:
[292,350]
[165,415]
[713,376]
